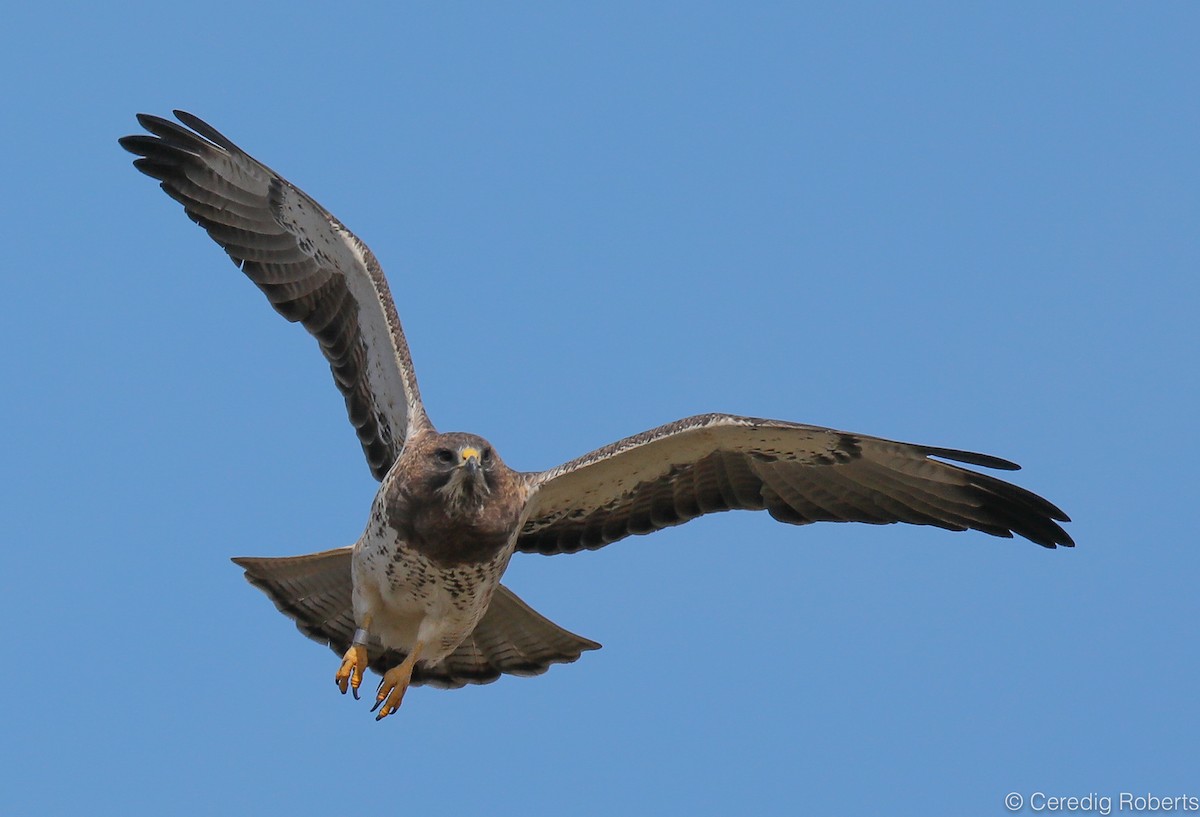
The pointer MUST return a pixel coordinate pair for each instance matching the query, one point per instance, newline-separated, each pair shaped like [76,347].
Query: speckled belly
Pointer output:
[409,597]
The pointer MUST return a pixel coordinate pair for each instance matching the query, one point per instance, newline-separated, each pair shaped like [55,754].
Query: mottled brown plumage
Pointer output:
[437,510]
[421,585]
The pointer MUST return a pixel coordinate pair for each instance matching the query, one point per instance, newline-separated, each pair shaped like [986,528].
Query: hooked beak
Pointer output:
[470,461]
[472,464]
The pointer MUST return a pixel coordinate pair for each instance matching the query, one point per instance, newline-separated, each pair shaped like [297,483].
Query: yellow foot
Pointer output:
[354,664]
[394,684]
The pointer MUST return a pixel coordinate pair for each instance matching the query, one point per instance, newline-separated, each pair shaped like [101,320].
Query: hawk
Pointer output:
[418,597]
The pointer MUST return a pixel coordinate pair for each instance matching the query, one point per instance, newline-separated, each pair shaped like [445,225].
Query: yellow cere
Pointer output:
[467,453]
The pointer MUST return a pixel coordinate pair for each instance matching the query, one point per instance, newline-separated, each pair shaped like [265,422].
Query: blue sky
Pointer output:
[957,224]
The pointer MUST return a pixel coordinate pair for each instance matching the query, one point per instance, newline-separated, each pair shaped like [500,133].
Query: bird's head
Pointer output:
[464,469]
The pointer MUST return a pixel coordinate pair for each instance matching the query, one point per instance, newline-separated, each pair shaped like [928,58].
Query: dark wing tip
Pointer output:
[165,147]
[154,123]
[1040,514]
[134,143]
[206,130]
[166,134]
[1021,511]
[1056,538]
[970,458]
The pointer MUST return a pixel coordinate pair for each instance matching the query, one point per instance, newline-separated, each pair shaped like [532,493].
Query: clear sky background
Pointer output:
[958,224]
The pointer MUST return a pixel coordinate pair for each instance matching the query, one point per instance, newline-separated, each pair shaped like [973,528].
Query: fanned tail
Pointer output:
[314,591]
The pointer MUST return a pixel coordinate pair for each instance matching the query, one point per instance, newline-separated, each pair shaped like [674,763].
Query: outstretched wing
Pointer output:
[797,473]
[511,638]
[311,268]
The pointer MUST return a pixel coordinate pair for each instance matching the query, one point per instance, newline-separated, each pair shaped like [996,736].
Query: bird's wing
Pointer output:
[311,268]
[315,591]
[797,473]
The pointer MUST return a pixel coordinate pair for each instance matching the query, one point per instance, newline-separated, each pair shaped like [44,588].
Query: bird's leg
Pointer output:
[395,684]
[354,662]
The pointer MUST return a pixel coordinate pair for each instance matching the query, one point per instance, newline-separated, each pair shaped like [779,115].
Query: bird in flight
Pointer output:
[418,597]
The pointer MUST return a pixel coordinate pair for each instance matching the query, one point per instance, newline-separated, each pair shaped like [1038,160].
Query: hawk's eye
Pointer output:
[444,455]
[486,456]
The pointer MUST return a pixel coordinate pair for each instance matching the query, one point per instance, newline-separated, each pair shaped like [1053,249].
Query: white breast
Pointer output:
[410,598]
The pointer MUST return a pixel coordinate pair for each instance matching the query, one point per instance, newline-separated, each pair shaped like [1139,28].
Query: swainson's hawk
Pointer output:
[417,598]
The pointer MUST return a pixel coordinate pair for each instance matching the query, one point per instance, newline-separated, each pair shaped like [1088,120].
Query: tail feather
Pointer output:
[312,590]
[511,639]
